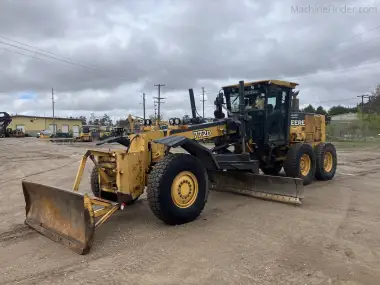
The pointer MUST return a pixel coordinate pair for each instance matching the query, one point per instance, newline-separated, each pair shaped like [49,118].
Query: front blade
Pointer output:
[277,188]
[64,216]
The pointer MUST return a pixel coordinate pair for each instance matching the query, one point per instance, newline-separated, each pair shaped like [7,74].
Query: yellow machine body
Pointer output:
[311,128]
[121,176]
[85,137]
[69,217]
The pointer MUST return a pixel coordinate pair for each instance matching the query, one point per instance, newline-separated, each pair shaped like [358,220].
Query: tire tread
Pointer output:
[153,186]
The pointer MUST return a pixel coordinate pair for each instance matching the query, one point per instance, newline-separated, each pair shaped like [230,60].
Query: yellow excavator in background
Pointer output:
[254,128]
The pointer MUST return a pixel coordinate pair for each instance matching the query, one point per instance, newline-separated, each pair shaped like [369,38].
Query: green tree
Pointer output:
[153,119]
[122,124]
[320,110]
[309,109]
[373,104]
[83,119]
[92,119]
[339,110]
[105,121]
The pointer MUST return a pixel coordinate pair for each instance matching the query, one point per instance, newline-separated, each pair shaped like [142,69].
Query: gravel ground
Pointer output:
[333,238]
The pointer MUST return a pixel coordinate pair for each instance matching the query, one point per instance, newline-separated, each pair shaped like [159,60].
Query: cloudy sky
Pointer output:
[99,55]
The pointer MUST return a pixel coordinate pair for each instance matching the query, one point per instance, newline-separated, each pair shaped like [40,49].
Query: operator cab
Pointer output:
[268,105]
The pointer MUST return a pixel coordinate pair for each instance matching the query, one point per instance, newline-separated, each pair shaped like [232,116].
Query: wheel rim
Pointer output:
[305,164]
[184,189]
[328,162]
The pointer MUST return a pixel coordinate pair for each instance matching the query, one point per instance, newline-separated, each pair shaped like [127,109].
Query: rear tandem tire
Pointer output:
[177,189]
[300,162]
[326,161]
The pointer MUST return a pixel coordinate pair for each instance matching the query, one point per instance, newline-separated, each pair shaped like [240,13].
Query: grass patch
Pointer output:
[341,143]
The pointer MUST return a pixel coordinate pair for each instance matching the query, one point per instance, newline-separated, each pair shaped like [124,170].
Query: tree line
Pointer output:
[371,106]
[335,110]
[105,120]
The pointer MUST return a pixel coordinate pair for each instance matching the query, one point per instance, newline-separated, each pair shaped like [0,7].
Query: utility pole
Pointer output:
[159,102]
[155,110]
[363,96]
[361,109]
[203,101]
[144,105]
[52,101]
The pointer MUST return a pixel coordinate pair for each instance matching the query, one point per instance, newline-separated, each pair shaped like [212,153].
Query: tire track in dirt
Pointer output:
[39,172]
[49,274]
[16,233]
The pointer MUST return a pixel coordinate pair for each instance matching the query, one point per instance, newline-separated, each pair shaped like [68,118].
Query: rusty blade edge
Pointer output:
[261,195]
[75,246]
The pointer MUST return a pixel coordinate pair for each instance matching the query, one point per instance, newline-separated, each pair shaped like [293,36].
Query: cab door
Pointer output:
[277,108]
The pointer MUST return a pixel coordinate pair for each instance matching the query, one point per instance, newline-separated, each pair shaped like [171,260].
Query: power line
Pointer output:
[42,54]
[349,68]
[362,44]
[43,50]
[55,58]
[52,53]
[27,55]
[347,39]
[68,60]
[359,45]
[357,35]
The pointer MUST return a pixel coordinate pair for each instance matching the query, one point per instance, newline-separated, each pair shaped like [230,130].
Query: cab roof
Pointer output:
[276,82]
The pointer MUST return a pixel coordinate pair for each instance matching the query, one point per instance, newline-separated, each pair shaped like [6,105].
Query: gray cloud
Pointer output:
[125,47]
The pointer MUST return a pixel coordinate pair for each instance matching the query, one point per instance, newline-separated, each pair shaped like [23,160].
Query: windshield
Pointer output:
[234,97]
[85,129]
[250,97]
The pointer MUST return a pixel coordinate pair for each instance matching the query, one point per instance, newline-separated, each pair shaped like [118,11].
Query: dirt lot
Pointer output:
[333,238]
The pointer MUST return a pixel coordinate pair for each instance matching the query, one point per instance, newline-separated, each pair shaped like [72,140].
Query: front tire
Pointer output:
[177,189]
[300,162]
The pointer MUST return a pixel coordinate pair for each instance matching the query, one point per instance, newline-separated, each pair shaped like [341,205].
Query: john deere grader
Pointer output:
[256,126]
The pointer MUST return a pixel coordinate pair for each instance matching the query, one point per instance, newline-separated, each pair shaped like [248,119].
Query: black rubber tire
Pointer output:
[320,150]
[292,162]
[95,188]
[159,188]
[94,182]
[274,170]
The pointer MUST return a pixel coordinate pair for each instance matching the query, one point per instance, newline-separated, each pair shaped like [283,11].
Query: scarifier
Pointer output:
[263,130]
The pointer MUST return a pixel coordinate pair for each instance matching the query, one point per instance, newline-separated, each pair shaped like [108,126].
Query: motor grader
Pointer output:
[254,128]
[5,121]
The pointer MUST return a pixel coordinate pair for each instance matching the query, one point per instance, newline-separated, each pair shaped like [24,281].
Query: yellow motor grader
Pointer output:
[255,128]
